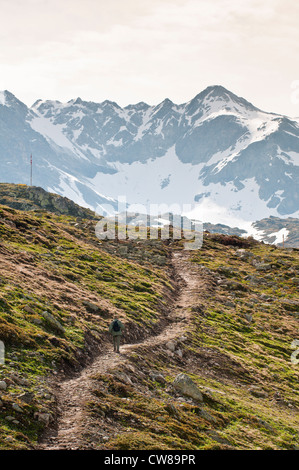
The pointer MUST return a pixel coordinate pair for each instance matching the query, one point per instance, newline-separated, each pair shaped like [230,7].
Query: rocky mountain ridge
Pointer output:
[234,163]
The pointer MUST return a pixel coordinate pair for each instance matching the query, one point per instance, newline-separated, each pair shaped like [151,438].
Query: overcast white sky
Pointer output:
[147,50]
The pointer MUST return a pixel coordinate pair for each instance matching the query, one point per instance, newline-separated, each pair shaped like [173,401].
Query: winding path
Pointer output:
[73,393]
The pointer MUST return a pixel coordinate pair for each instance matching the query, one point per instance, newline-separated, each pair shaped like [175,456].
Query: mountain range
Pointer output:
[218,157]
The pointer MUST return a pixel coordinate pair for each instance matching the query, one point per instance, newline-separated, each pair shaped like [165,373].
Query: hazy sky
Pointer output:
[147,50]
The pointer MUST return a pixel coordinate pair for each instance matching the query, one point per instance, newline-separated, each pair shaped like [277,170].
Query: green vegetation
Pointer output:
[237,350]
[59,289]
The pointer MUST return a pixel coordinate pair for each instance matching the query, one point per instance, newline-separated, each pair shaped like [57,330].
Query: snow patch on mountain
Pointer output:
[168,181]
[54,133]
[280,236]
[67,187]
[143,182]
[290,158]
[226,205]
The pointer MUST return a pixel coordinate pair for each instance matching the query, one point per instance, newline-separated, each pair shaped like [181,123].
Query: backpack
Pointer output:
[115,326]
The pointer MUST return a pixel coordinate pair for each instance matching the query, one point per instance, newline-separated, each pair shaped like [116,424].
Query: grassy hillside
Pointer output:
[237,350]
[58,292]
[33,198]
[59,289]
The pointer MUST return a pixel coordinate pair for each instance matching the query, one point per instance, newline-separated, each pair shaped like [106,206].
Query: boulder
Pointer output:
[53,322]
[3,385]
[244,254]
[171,345]
[248,317]
[90,306]
[44,418]
[257,392]
[263,267]
[26,397]
[185,385]
[157,377]
[235,286]
[17,408]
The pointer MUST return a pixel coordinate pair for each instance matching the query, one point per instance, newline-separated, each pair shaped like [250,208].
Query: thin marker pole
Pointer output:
[31,170]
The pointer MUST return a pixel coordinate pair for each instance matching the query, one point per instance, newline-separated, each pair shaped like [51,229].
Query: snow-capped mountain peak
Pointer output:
[217,151]
[8,100]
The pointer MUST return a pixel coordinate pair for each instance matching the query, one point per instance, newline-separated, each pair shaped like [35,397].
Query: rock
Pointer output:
[53,322]
[157,377]
[123,377]
[216,437]
[184,384]
[86,257]
[9,418]
[226,271]
[55,341]
[97,309]
[207,416]
[256,392]
[26,397]
[183,338]
[162,419]
[235,286]
[244,254]
[179,352]
[159,260]
[17,408]
[171,410]
[169,353]
[229,304]
[252,279]
[3,385]
[290,305]
[265,297]
[171,345]
[44,418]
[265,425]
[19,380]
[29,310]
[248,317]
[123,250]
[90,306]
[263,267]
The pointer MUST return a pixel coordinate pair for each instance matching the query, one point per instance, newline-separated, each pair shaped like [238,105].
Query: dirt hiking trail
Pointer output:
[72,394]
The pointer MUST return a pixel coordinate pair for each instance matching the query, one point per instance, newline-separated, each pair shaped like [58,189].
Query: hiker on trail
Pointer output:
[116,328]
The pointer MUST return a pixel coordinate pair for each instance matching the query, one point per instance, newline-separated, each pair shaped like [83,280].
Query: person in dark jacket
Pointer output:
[116,329]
